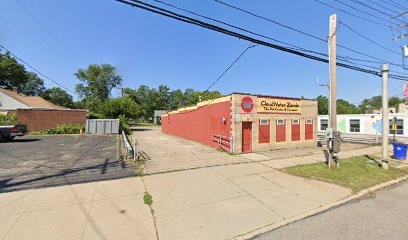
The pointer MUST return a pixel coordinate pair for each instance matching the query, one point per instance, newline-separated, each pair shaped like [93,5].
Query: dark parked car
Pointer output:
[9,132]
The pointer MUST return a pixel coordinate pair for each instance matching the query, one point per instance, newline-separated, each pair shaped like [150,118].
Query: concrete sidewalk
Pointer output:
[208,203]
[169,153]
[102,210]
[219,202]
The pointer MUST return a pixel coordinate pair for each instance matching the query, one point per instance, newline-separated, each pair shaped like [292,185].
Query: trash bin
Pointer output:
[400,150]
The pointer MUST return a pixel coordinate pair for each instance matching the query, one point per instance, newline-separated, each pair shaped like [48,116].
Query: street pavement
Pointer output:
[379,216]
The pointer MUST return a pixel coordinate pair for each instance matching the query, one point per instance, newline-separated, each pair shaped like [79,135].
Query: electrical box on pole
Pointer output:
[405,51]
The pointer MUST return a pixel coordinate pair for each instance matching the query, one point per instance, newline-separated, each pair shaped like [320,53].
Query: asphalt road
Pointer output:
[32,162]
[383,215]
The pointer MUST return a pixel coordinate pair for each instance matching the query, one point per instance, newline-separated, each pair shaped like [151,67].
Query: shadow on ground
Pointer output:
[59,160]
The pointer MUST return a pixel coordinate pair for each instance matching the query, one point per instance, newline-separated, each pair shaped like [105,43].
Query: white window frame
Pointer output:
[262,122]
[320,127]
[295,121]
[309,121]
[359,125]
[398,131]
[280,124]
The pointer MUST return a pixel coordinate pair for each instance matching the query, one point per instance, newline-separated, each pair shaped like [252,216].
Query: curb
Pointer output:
[301,216]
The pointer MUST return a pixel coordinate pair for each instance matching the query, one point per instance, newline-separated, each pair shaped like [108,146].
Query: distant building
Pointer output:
[370,124]
[38,113]
[10,101]
[157,116]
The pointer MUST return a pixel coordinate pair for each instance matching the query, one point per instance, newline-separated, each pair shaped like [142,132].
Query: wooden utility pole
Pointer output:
[332,65]
[332,85]
[385,122]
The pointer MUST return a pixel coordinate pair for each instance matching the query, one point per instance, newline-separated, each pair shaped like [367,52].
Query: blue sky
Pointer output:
[152,50]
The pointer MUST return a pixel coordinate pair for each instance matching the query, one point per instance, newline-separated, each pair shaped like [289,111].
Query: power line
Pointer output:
[230,66]
[272,21]
[370,7]
[275,22]
[44,27]
[396,4]
[35,70]
[368,39]
[297,30]
[219,77]
[352,14]
[23,31]
[179,17]
[364,12]
[239,28]
[382,6]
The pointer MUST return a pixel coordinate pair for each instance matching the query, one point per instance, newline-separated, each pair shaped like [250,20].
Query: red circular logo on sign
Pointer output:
[247,104]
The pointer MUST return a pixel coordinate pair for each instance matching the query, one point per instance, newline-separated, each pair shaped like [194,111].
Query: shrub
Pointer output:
[8,118]
[124,125]
[94,115]
[61,129]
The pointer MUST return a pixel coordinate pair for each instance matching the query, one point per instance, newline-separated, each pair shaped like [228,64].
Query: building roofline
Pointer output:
[51,109]
[269,96]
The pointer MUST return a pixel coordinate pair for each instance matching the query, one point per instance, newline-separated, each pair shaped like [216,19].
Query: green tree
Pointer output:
[34,85]
[376,103]
[209,95]
[58,96]
[395,102]
[97,82]
[115,107]
[322,105]
[176,99]
[12,74]
[344,107]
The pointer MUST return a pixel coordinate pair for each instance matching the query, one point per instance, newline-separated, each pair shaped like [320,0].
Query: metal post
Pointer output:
[385,122]
[135,150]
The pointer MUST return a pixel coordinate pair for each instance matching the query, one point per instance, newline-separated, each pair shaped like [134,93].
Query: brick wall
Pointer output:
[200,124]
[37,120]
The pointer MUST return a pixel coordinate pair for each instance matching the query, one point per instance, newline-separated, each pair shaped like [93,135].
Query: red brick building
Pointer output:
[38,113]
[241,123]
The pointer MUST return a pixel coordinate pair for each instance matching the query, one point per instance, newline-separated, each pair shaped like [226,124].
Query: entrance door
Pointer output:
[246,137]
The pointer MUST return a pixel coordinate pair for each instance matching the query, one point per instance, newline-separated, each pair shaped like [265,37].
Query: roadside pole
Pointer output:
[385,122]
[332,86]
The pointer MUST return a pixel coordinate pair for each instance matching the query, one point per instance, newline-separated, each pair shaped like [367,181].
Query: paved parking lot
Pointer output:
[39,161]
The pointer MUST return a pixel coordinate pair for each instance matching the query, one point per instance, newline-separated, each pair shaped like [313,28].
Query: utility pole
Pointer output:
[333,74]
[385,122]
[332,135]
[402,36]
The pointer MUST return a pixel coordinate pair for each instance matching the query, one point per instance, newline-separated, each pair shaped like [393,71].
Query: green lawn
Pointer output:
[356,173]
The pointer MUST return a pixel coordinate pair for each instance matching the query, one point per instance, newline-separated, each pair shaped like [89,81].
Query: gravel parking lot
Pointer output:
[40,161]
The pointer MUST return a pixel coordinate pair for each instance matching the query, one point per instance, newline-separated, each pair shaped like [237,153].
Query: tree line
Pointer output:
[98,80]
[345,107]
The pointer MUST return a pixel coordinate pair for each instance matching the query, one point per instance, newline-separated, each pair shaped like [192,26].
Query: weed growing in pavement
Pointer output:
[148,199]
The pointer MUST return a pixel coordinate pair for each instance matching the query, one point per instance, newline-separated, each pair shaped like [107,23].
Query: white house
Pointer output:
[11,101]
